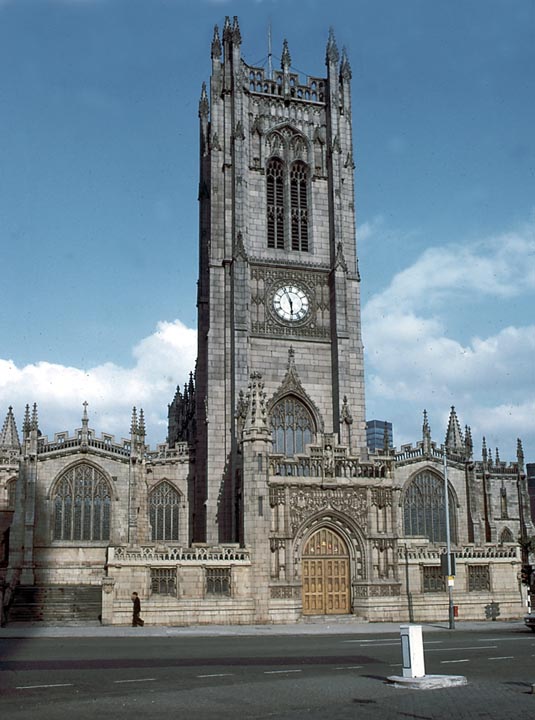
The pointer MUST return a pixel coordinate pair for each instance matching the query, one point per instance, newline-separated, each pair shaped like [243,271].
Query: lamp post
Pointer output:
[407,583]
[451,616]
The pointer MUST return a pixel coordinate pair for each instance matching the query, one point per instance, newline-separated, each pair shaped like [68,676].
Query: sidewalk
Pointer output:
[319,627]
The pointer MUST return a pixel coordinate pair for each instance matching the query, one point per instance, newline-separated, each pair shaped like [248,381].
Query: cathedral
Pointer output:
[264,504]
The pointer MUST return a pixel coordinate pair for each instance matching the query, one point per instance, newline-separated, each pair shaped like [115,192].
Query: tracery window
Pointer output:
[163,581]
[299,209]
[478,578]
[164,506]
[275,204]
[292,426]
[82,505]
[424,511]
[218,581]
[11,490]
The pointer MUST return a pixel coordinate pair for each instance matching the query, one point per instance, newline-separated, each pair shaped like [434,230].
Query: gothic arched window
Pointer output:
[506,536]
[275,204]
[82,505]
[292,426]
[424,510]
[299,206]
[164,505]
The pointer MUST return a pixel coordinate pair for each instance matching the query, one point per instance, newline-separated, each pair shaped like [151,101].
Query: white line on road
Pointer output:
[478,647]
[135,680]
[31,687]
[350,667]
[364,643]
[448,662]
[502,657]
[279,672]
[215,675]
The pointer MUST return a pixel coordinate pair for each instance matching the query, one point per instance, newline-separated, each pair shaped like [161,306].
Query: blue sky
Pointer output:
[98,202]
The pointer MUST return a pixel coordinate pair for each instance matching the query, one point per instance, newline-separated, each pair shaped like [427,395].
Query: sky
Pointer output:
[99,213]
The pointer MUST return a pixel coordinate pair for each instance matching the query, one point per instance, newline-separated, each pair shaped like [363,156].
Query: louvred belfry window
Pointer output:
[275,204]
[299,209]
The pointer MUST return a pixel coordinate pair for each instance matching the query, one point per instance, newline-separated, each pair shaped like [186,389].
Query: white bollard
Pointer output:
[412,650]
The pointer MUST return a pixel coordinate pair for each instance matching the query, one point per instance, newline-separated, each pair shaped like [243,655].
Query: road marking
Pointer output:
[350,667]
[448,662]
[279,672]
[478,647]
[135,680]
[365,643]
[215,675]
[502,657]
[31,687]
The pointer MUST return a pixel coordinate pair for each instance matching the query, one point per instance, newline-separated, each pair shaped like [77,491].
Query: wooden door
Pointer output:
[326,575]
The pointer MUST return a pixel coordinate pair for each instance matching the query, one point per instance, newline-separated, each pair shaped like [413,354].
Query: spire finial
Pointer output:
[141,426]
[26,425]
[236,34]
[134,426]
[291,357]
[345,67]
[519,454]
[204,105]
[35,419]
[286,60]
[332,51]
[9,437]
[216,44]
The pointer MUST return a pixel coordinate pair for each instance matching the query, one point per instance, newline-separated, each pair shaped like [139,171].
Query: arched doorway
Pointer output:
[326,575]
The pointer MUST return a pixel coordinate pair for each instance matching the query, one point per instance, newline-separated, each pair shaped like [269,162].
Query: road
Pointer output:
[255,677]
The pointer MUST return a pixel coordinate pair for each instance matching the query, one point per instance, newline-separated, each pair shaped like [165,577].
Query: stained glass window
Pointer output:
[291,426]
[82,505]
[164,506]
[424,511]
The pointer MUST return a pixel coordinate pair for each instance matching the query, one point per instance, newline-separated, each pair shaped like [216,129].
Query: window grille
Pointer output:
[478,578]
[163,581]
[82,505]
[299,210]
[218,581]
[424,511]
[434,581]
[275,204]
[164,507]
[291,427]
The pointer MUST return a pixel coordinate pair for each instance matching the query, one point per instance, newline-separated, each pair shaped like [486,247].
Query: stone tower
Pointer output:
[278,264]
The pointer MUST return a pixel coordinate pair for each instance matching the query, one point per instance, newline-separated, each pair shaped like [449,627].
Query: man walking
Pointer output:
[136,620]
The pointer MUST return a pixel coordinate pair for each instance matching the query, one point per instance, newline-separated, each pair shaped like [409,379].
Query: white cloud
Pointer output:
[413,362]
[162,360]
[500,267]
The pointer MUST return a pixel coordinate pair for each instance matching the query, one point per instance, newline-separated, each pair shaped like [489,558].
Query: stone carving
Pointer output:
[382,497]
[285,592]
[305,502]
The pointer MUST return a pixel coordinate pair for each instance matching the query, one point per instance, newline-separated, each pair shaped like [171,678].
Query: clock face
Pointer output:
[291,303]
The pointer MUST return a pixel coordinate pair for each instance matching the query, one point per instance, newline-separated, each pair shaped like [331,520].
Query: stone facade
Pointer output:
[265,504]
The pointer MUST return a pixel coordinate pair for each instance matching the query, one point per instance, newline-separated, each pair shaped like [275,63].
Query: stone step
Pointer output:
[56,603]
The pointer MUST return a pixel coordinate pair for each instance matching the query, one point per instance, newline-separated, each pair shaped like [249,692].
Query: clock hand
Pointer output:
[291,303]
